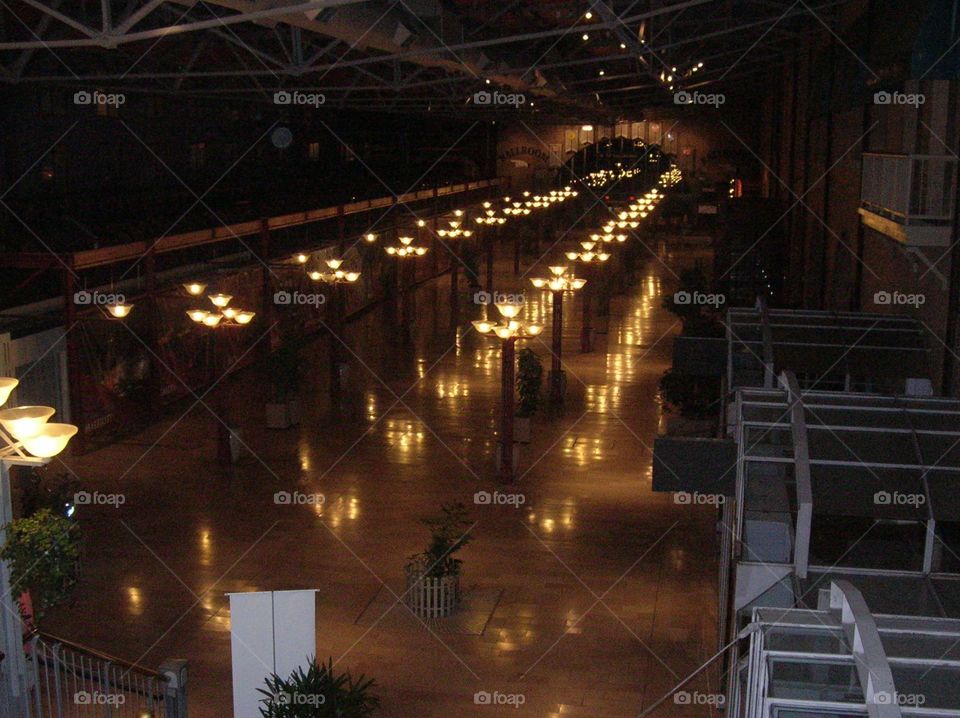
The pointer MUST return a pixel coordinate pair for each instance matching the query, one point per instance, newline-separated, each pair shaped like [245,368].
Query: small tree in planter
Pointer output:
[529,379]
[44,555]
[433,576]
[318,692]
[283,370]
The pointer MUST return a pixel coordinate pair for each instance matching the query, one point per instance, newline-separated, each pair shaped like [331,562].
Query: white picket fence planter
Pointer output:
[431,597]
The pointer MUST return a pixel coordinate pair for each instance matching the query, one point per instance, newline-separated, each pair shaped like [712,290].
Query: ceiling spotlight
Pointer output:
[587,128]
[585,37]
[623,46]
[487,80]
[601,73]
[588,15]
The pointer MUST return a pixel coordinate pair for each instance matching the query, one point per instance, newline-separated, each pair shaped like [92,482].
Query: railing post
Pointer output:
[175,692]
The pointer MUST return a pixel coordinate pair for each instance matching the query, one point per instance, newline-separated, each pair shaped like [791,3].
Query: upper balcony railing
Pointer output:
[909,197]
[909,188]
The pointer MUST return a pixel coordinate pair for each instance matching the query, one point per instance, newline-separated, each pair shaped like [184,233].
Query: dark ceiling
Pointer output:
[576,59]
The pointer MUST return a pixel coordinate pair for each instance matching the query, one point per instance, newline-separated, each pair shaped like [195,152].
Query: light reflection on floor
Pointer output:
[396,450]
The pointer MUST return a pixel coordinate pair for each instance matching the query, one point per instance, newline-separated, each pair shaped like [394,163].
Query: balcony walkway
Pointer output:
[593,598]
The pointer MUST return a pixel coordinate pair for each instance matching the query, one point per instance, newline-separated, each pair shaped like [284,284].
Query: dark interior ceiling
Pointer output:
[572,59]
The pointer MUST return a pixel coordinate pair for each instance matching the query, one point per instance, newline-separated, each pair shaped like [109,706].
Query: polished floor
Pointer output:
[593,599]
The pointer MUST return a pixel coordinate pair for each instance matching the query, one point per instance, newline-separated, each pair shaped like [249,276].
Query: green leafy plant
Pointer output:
[529,378]
[696,397]
[318,692]
[44,555]
[449,532]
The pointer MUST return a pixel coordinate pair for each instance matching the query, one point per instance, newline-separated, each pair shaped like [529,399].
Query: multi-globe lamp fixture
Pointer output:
[223,315]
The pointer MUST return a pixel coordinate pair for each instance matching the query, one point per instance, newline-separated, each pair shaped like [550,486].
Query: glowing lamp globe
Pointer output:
[194,289]
[244,317]
[220,300]
[483,326]
[558,271]
[509,310]
[7,385]
[51,440]
[25,421]
[197,315]
[212,320]
[119,311]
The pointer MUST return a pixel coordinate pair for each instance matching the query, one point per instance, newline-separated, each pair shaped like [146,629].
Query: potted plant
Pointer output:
[529,378]
[44,554]
[283,369]
[318,692]
[697,399]
[433,576]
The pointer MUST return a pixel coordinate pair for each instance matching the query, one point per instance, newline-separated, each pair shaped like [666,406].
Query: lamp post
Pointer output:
[26,439]
[559,283]
[455,231]
[336,277]
[489,218]
[508,333]
[589,259]
[405,250]
[223,317]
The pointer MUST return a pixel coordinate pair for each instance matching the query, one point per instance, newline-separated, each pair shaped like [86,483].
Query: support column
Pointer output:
[334,327]
[516,253]
[454,293]
[507,359]
[489,242]
[556,363]
[13,667]
[586,329]
[73,356]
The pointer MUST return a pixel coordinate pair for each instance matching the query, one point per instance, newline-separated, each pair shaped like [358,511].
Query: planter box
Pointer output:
[521,429]
[431,597]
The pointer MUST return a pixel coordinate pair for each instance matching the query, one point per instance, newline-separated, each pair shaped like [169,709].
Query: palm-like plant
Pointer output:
[318,692]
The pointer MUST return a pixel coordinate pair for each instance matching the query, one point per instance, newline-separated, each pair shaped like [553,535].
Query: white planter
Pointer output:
[521,429]
[431,597]
[278,416]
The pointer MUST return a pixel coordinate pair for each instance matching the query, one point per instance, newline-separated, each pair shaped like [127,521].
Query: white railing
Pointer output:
[909,188]
[68,681]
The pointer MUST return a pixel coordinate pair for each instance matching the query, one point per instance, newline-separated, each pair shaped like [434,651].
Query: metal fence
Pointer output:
[909,188]
[65,680]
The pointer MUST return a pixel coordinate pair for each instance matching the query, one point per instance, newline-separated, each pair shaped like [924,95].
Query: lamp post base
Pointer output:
[507,471]
[558,385]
